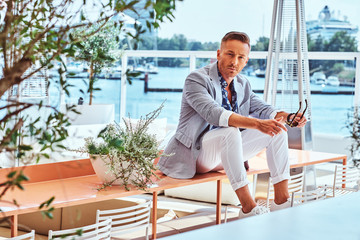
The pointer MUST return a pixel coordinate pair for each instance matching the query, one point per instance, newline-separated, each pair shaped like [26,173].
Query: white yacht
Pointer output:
[332,81]
[327,25]
[318,78]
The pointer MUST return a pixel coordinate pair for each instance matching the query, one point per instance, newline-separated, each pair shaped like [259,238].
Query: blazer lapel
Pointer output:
[239,90]
[214,76]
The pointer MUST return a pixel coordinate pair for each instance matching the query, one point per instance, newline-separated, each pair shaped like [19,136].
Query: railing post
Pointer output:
[146,82]
[192,64]
[357,81]
[124,61]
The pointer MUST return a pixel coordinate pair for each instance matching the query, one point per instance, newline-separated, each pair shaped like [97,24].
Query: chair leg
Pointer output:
[226,209]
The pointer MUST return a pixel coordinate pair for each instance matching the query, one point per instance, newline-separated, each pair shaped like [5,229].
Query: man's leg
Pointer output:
[277,158]
[245,198]
[221,149]
[281,192]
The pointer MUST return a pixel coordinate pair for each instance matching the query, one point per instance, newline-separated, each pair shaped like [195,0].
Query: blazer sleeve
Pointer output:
[259,108]
[200,95]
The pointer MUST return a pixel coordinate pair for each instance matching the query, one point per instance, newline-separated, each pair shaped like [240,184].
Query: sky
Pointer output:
[209,20]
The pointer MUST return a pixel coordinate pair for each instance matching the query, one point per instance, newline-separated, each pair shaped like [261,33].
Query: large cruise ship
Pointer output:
[327,25]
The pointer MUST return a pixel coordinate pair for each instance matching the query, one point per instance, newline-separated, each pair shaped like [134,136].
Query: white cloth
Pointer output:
[228,148]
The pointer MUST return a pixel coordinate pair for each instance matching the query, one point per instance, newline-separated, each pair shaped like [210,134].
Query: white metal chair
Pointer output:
[346,180]
[296,184]
[95,231]
[298,198]
[127,219]
[27,236]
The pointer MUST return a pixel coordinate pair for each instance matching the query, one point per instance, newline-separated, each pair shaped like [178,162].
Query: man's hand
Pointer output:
[299,122]
[272,127]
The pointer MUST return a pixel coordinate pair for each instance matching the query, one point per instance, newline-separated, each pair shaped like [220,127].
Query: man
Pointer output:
[223,123]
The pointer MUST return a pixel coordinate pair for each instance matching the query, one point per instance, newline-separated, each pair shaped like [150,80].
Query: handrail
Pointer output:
[253,54]
[193,55]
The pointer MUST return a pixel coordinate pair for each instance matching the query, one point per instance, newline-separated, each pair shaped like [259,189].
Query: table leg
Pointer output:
[154,213]
[218,202]
[14,225]
[344,164]
[255,176]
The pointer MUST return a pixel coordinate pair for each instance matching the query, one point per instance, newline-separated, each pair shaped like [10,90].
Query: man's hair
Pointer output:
[240,36]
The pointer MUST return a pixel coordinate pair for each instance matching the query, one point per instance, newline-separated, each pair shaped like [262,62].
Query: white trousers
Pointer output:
[227,148]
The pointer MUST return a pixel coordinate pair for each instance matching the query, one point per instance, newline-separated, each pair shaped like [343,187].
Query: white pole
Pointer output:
[357,81]
[299,53]
[269,57]
[192,62]
[124,61]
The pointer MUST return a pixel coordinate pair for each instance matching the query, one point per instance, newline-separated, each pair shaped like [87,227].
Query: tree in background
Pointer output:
[262,44]
[339,42]
[34,36]
[99,51]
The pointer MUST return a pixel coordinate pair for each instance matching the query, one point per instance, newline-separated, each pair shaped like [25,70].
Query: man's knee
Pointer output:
[281,137]
[232,134]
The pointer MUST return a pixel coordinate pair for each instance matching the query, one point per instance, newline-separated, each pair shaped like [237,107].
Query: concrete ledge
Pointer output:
[331,143]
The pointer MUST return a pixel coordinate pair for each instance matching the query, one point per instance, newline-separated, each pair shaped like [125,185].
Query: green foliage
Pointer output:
[47,209]
[100,48]
[99,51]
[178,42]
[35,35]
[15,179]
[262,44]
[339,42]
[353,126]
[127,151]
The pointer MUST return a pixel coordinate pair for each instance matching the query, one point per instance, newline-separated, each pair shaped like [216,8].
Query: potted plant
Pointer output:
[353,125]
[124,155]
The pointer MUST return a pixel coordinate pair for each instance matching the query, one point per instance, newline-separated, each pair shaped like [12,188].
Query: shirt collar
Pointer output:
[223,83]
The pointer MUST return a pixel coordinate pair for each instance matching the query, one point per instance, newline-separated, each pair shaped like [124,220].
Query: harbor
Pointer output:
[326,106]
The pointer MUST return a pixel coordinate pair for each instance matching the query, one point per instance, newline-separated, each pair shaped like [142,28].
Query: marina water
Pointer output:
[329,112]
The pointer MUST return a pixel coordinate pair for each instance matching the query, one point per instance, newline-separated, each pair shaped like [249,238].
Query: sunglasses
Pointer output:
[291,117]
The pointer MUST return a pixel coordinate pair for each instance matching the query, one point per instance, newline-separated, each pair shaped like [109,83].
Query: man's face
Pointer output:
[232,57]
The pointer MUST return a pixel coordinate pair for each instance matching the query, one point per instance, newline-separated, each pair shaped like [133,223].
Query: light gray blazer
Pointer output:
[200,108]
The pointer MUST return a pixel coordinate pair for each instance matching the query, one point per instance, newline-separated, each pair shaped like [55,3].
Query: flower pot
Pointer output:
[102,165]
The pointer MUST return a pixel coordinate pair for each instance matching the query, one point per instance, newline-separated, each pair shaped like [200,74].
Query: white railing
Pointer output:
[193,55]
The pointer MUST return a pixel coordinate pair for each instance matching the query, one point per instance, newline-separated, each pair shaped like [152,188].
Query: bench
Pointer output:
[75,183]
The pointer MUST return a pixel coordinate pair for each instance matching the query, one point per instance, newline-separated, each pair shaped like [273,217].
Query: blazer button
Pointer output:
[198,147]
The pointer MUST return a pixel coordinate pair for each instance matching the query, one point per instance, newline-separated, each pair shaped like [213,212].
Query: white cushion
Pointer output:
[205,192]
[77,134]
[91,114]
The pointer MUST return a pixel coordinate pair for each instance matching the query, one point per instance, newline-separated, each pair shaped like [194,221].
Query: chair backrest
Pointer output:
[127,219]
[298,198]
[27,236]
[295,184]
[97,231]
[346,175]
[346,178]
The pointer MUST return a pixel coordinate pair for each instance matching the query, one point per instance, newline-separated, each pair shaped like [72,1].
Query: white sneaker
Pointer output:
[275,207]
[258,210]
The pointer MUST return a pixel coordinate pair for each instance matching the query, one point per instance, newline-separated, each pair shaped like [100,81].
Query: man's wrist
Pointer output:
[282,114]
[256,123]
